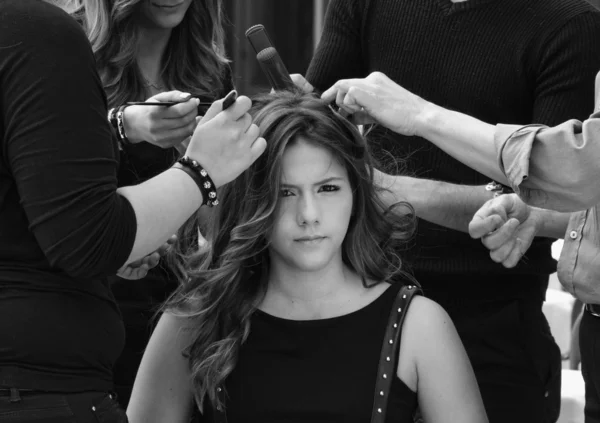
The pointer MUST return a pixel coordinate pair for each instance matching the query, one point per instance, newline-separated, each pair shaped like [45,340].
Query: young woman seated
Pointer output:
[282,318]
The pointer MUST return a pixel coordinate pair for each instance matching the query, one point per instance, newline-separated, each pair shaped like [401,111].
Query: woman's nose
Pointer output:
[308,210]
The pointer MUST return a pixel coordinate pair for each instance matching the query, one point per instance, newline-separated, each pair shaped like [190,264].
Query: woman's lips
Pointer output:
[310,240]
[167,6]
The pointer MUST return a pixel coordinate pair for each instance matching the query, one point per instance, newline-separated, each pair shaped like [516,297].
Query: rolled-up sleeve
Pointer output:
[555,168]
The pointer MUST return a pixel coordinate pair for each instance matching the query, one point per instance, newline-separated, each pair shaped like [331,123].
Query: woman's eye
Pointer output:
[330,188]
[285,193]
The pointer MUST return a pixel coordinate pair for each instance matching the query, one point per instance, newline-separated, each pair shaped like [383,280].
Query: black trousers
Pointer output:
[589,344]
[516,361]
[38,407]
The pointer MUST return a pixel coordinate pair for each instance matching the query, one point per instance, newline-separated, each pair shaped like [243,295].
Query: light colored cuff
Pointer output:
[514,144]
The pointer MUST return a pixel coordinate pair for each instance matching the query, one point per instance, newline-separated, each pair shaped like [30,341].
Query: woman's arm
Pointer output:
[555,168]
[162,391]
[225,143]
[378,99]
[58,147]
[445,382]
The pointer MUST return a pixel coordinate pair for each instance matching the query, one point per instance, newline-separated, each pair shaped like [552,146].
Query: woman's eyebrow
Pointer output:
[324,181]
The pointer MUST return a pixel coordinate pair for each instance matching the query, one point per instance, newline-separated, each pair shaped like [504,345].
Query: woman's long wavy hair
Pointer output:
[194,60]
[223,283]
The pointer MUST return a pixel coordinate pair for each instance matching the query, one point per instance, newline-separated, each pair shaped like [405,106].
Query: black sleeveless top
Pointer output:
[316,370]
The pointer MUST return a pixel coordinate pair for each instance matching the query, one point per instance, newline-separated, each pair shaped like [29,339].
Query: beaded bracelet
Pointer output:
[120,114]
[202,179]
[112,117]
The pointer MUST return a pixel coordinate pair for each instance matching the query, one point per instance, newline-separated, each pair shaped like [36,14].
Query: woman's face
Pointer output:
[314,209]
[163,14]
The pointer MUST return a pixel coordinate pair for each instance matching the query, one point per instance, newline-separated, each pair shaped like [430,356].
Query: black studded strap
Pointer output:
[389,352]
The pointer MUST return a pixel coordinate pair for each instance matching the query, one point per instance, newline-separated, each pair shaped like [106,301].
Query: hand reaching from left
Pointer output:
[162,126]
[507,227]
[139,268]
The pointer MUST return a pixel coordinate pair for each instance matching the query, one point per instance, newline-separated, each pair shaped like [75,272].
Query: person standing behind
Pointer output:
[499,61]
[156,50]
[64,224]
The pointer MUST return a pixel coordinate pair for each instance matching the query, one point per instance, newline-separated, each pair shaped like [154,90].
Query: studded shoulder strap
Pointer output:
[389,352]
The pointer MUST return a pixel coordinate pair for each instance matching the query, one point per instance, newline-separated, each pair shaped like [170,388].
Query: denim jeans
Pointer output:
[46,407]
[589,345]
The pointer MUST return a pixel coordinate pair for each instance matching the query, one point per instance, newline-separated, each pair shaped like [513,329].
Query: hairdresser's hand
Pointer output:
[301,82]
[226,142]
[162,126]
[139,268]
[506,226]
[378,99]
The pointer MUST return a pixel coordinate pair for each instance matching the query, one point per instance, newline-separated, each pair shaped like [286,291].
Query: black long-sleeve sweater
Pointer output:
[501,61]
[63,227]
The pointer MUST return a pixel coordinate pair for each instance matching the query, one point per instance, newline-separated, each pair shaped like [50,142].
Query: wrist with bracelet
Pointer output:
[201,178]
[498,189]
[116,117]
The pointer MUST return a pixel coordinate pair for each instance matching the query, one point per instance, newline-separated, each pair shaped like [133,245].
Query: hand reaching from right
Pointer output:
[226,142]
[507,227]
[378,99]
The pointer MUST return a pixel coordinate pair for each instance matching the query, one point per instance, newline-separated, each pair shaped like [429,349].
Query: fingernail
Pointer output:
[229,99]
[197,100]
[185,96]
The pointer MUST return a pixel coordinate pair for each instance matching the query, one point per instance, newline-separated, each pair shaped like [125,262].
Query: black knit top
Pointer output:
[63,227]
[315,371]
[501,61]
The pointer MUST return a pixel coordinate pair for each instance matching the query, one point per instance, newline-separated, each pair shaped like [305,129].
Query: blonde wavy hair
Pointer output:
[194,62]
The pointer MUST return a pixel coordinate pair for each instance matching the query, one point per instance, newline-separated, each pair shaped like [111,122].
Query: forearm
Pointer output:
[453,206]
[465,138]
[161,204]
[442,203]
[552,224]
[554,168]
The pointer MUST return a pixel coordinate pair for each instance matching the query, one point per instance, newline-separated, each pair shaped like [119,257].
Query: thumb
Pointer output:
[171,96]
[482,225]
[357,100]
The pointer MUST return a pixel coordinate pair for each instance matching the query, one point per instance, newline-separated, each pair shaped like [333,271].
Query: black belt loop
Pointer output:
[14,395]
